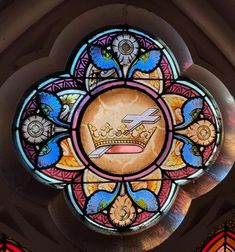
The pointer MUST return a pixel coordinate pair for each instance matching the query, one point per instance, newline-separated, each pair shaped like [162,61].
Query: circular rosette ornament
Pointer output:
[36,129]
[120,131]
[126,48]
[122,212]
[202,132]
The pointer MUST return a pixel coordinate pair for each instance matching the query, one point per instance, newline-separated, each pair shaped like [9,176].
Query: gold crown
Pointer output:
[121,136]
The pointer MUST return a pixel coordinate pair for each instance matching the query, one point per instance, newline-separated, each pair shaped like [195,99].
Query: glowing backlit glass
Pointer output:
[119,131]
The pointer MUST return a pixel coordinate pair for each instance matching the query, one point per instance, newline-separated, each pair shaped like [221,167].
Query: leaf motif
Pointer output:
[69,161]
[69,98]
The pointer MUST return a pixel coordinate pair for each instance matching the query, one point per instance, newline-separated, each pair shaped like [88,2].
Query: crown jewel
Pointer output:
[121,136]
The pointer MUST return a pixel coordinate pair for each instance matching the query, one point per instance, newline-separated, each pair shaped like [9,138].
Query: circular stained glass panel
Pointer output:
[120,131]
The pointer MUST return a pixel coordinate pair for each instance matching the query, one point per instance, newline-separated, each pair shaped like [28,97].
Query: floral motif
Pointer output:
[202,132]
[126,48]
[122,212]
[36,129]
[119,131]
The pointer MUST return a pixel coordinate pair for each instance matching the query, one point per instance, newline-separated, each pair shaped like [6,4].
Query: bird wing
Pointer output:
[190,111]
[144,198]
[102,59]
[51,106]
[190,152]
[100,200]
[146,62]
[50,153]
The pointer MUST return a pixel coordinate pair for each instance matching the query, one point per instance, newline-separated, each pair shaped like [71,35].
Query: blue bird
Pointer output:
[190,152]
[100,200]
[145,199]
[190,111]
[51,106]
[102,59]
[51,152]
[147,62]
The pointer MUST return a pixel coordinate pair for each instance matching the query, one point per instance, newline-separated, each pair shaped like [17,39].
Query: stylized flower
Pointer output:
[202,132]
[126,47]
[36,129]
[117,141]
[122,212]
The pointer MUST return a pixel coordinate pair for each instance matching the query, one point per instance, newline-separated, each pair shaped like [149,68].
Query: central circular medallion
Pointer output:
[126,47]
[123,131]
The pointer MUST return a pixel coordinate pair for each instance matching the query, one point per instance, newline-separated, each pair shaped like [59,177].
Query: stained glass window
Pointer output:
[222,239]
[120,130]
[9,245]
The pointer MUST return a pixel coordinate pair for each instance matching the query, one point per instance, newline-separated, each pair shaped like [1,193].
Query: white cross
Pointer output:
[148,117]
[132,121]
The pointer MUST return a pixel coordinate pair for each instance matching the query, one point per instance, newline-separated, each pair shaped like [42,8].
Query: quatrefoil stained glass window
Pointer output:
[120,130]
